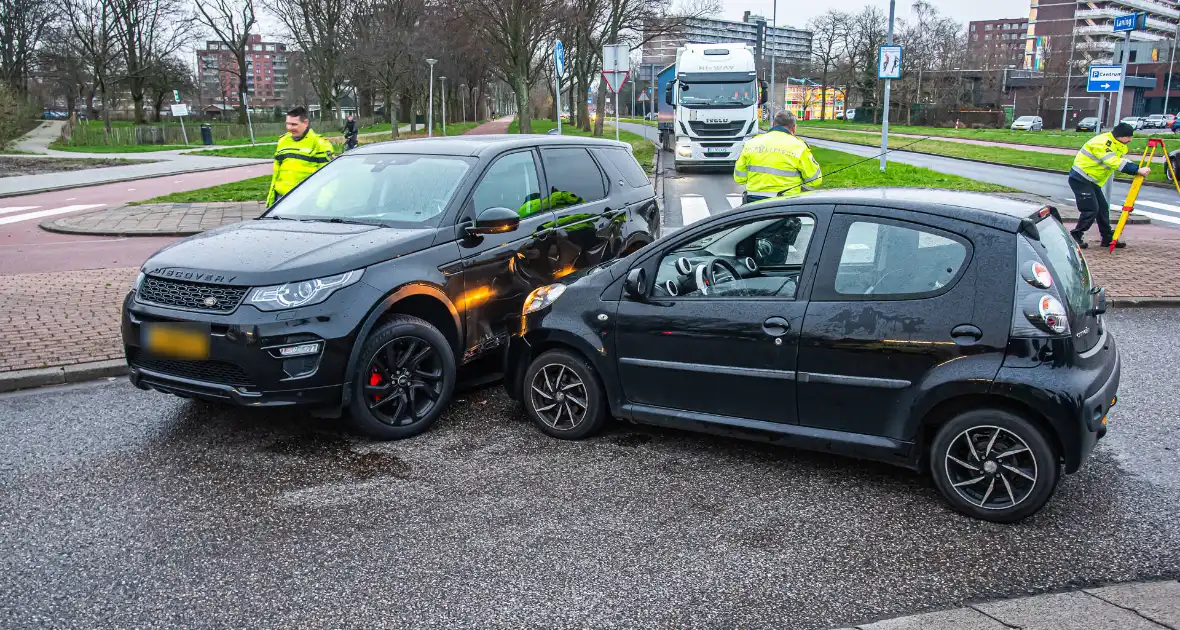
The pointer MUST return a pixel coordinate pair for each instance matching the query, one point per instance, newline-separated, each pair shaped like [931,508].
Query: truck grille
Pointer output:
[191,295]
[219,372]
[720,130]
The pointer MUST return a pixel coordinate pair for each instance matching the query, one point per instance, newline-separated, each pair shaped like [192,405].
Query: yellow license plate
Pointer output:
[177,341]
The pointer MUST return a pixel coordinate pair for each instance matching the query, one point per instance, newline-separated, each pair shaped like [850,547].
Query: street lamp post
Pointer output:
[885,104]
[443,80]
[430,102]
[463,100]
[1068,74]
[1171,58]
[774,21]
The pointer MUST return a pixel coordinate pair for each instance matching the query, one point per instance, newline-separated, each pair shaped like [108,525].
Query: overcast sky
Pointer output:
[797,12]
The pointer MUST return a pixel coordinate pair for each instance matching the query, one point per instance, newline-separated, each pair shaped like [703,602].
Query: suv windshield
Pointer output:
[717,94]
[398,190]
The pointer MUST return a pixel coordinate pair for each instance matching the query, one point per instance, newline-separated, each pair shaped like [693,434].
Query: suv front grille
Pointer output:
[191,295]
[729,129]
[219,372]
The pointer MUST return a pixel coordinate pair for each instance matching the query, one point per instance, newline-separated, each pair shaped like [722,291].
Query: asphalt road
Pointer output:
[123,508]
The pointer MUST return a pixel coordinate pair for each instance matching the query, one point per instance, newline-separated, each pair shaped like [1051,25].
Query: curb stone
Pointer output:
[28,379]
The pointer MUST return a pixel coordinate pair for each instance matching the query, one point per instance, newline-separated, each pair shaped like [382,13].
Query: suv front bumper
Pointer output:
[244,365]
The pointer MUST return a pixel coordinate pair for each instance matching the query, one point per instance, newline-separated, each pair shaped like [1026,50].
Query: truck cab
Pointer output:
[711,100]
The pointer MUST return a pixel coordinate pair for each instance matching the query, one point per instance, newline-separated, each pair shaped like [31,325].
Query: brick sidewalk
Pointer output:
[498,126]
[161,219]
[62,318]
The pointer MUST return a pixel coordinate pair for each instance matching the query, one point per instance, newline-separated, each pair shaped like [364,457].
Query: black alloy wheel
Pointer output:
[404,379]
[563,396]
[994,465]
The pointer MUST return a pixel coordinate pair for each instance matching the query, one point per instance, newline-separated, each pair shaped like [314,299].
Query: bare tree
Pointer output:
[231,21]
[67,71]
[517,32]
[320,29]
[22,25]
[828,36]
[148,32]
[93,34]
[384,31]
[167,75]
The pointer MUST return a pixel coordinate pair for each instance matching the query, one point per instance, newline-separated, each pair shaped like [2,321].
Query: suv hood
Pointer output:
[267,251]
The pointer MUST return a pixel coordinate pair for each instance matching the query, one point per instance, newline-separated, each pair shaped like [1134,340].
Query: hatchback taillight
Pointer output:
[1037,308]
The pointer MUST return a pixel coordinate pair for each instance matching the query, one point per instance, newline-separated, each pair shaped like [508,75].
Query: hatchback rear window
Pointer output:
[1069,267]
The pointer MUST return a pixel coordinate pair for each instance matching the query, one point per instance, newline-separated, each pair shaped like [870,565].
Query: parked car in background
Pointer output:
[1134,121]
[1169,120]
[366,287]
[1087,124]
[956,334]
[1028,123]
[1155,121]
[850,114]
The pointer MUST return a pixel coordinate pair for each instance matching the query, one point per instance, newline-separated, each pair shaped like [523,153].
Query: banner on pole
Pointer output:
[616,58]
[180,109]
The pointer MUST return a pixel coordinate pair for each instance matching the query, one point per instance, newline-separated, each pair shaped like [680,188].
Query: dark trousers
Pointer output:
[1092,206]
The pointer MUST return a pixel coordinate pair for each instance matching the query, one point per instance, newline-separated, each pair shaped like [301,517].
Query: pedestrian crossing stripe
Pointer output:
[1156,216]
[6,218]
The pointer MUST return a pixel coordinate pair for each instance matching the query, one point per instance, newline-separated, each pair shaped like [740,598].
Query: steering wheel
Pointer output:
[715,272]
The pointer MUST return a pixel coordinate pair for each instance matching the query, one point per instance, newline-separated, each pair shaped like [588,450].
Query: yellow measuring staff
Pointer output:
[1129,204]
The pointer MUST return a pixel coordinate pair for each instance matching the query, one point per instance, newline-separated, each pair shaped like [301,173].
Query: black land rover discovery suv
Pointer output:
[372,281]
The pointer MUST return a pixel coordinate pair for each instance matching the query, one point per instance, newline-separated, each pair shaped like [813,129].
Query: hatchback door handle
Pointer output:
[776,326]
[966,333]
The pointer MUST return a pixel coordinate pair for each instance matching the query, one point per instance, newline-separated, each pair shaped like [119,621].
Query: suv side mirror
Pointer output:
[495,221]
[636,283]
[668,92]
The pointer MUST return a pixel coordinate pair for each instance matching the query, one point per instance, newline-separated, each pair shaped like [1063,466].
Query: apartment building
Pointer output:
[993,44]
[267,74]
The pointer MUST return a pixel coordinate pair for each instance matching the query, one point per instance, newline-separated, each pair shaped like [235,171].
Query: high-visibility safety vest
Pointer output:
[777,161]
[296,160]
[1099,158]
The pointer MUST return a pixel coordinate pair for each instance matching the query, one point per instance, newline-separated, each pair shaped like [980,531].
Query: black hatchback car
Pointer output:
[369,283]
[954,333]
[1087,124]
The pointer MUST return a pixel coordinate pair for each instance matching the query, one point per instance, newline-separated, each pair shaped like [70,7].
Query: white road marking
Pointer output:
[1155,216]
[17,209]
[71,198]
[28,216]
[1157,205]
[734,200]
[693,208]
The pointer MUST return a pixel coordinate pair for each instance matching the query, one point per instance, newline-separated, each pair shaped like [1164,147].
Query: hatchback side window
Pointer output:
[882,259]
[510,183]
[574,177]
[759,258]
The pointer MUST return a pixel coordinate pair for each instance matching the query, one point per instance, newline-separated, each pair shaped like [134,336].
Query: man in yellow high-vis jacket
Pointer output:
[1093,166]
[777,163]
[300,153]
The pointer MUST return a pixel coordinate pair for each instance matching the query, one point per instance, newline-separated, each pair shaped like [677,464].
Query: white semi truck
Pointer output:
[712,96]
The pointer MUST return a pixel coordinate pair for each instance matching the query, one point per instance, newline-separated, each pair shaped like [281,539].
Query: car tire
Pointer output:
[1002,479]
[550,392]
[404,379]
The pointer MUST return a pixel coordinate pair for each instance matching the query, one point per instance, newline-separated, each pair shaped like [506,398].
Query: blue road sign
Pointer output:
[1125,22]
[559,58]
[1104,79]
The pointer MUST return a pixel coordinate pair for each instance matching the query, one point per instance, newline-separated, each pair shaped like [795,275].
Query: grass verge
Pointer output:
[869,175]
[643,149]
[253,189]
[995,155]
[1050,138]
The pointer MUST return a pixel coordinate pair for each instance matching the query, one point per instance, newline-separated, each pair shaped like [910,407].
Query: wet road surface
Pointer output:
[123,508]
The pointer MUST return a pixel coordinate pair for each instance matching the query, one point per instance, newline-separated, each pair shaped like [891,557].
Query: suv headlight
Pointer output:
[305,293]
[542,297]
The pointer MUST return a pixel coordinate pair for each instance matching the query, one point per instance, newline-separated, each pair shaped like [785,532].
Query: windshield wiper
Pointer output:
[351,221]
[278,218]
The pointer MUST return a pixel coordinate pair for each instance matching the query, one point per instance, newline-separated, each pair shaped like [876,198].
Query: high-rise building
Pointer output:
[995,44]
[789,45]
[267,74]
[1083,30]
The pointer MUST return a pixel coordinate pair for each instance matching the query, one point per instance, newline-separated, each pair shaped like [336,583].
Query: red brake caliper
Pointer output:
[374,380]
